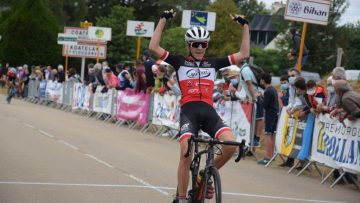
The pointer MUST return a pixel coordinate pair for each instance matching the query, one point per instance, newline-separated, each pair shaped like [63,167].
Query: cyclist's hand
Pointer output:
[168,14]
[239,19]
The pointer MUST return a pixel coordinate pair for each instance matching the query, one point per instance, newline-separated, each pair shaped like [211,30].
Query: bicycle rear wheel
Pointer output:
[213,179]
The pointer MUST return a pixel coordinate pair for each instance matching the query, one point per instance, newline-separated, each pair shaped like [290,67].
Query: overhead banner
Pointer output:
[132,106]
[140,28]
[336,144]
[311,11]
[166,110]
[86,51]
[198,18]
[54,91]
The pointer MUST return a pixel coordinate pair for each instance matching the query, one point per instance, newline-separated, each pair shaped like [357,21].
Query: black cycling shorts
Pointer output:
[200,115]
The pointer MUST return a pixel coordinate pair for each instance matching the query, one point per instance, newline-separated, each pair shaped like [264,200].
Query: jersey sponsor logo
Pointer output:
[189,83]
[206,64]
[184,127]
[193,91]
[189,63]
[194,73]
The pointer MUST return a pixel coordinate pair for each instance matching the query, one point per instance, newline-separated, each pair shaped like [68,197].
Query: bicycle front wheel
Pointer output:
[212,190]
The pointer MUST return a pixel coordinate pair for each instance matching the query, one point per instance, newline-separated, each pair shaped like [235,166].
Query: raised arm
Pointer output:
[244,51]
[154,45]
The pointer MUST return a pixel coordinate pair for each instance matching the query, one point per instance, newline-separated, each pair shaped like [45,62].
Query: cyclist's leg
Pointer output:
[188,127]
[214,126]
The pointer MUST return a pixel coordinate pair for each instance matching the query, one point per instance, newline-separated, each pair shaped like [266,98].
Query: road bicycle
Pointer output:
[210,174]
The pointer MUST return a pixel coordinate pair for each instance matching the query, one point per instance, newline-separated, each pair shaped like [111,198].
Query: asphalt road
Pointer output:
[47,155]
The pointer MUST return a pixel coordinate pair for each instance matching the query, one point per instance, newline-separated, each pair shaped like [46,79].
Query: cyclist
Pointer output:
[196,75]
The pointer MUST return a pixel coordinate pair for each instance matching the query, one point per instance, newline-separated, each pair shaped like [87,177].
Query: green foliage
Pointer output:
[69,12]
[227,36]
[249,8]
[352,52]
[29,35]
[173,41]
[270,60]
[122,47]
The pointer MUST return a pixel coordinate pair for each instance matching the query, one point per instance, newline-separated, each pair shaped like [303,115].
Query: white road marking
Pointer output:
[28,125]
[46,134]
[99,160]
[160,188]
[147,184]
[69,145]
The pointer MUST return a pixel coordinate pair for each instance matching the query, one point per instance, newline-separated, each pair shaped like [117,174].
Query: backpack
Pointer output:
[257,71]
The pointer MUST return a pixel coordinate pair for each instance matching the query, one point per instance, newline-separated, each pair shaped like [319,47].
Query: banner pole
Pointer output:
[138,48]
[66,59]
[299,63]
[97,52]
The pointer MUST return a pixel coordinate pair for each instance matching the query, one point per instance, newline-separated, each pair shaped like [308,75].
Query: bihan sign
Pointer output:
[310,11]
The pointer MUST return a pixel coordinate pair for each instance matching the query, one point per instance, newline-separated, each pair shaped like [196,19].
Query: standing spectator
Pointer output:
[296,41]
[61,73]
[125,78]
[91,75]
[72,76]
[54,75]
[284,93]
[20,81]
[99,75]
[148,63]
[249,83]
[349,101]
[111,80]
[141,78]
[330,100]
[293,75]
[338,73]
[26,80]
[47,73]
[271,107]
[11,79]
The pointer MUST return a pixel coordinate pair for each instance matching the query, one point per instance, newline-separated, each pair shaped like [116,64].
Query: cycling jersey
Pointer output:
[196,78]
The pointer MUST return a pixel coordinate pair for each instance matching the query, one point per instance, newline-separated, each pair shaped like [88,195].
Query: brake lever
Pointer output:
[241,153]
[189,149]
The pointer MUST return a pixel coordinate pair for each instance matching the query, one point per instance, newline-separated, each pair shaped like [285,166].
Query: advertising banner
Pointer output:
[132,106]
[336,144]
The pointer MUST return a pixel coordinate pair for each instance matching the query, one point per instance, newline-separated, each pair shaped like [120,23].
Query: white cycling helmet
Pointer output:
[197,34]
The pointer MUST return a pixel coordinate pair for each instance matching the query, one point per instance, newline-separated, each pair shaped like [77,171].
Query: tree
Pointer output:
[173,41]
[227,36]
[122,47]
[29,35]
[249,8]
[69,12]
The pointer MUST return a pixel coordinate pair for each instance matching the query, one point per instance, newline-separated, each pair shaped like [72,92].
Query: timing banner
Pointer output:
[336,144]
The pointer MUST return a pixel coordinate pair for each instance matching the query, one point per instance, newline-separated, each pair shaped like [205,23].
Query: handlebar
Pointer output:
[212,142]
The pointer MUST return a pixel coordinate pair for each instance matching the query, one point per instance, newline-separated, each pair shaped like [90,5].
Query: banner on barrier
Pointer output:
[42,89]
[54,91]
[132,106]
[335,144]
[237,116]
[166,110]
[103,102]
[81,97]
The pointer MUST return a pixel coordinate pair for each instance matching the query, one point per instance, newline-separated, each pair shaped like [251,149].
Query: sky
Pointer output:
[351,15]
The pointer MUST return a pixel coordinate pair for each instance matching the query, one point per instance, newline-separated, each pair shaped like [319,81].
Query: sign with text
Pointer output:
[67,39]
[311,11]
[86,51]
[99,33]
[198,18]
[82,34]
[140,28]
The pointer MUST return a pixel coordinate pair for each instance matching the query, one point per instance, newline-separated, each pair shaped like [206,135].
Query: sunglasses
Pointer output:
[204,45]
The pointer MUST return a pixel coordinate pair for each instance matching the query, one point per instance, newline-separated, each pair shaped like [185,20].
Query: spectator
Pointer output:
[104,65]
[61,74]
[174,85]
[271,107]
[38,74]
[91,75]
[284,93]
[349,101]
[26,79]
[141,78]
[54,75]
[47,73]
[296,41]
[72,76]
[99,75]
[148,63]
[315,95]
[330,100]
[338,73]
[20,80]
[125,78]
[111,80]
[293,74]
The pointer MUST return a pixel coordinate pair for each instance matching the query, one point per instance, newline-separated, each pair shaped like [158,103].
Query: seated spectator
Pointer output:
[349,101]
[284,93]
[315,95]
[111,80]
[271,107]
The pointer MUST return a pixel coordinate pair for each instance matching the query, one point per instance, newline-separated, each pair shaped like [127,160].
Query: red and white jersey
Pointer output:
[196,78]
